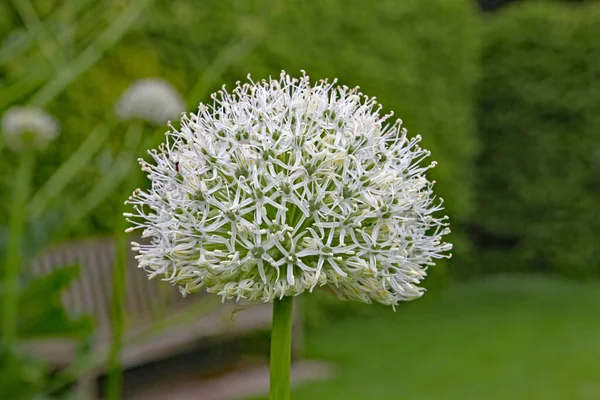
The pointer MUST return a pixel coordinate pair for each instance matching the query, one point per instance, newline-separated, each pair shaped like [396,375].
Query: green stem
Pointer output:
[107,185]
[115,374]
[37,30]
[12,49]
[14,256]
[115,31]
[115,369]
[281,345]
[68,170]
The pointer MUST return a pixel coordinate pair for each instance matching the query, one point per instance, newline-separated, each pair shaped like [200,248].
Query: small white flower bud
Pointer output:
[28,126]
[151,100]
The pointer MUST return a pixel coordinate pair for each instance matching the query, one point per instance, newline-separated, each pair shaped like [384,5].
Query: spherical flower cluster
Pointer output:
[282,186]
[28,126]
[151,100]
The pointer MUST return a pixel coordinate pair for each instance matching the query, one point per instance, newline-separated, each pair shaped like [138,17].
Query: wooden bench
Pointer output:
[159,321]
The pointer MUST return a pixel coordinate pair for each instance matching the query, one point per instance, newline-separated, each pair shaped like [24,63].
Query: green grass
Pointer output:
[518,337]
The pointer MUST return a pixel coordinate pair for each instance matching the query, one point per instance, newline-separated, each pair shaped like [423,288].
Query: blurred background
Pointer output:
[506,95]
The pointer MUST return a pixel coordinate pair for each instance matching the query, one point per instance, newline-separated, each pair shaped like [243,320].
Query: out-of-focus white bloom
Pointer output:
[151,100]
[28,126]
[282,186]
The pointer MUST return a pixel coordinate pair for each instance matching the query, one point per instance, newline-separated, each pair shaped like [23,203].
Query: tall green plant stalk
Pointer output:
[14,253]
[48,46]
[69,169]
[108,38]
[115,369]
[106,186]
[73,69]
[281,349]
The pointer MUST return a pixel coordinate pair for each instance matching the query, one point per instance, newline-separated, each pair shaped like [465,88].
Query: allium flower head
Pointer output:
[28,126]
[281,186]
[151,100]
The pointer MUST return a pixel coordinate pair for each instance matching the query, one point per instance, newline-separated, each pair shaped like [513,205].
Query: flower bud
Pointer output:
[23,127]
[150,100]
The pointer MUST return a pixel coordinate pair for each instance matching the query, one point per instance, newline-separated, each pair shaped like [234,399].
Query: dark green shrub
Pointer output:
[539,121]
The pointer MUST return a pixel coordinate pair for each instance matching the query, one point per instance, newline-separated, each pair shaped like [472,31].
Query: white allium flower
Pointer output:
[280,187]
[151,100]
[28,126]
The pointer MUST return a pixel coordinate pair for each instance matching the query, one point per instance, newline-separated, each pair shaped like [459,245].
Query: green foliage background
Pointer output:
[539,118]
[418,57]
[523,87]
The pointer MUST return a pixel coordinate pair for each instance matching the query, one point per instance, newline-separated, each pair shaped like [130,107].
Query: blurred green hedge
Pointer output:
[539,119]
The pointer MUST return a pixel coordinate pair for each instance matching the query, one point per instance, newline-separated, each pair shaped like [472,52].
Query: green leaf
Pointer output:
[21,376]
[41,311]
[39,232]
